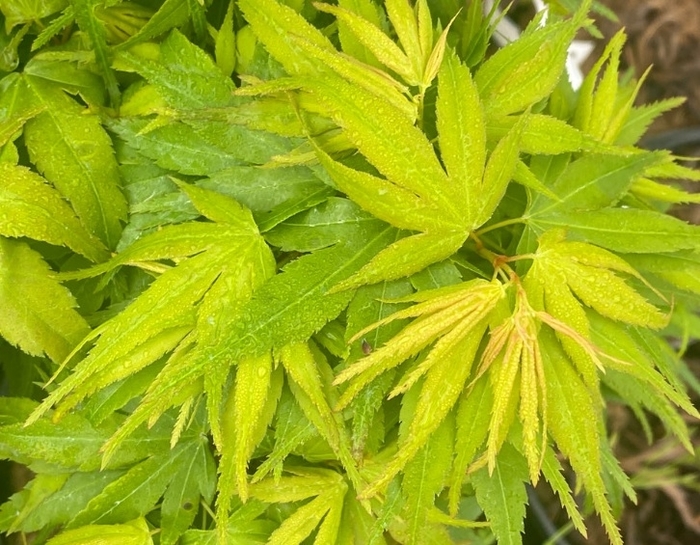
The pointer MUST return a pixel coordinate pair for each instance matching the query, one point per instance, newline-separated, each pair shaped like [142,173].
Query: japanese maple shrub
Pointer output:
[297,272]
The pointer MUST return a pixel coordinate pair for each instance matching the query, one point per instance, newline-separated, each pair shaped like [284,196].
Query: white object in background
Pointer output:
[579,50]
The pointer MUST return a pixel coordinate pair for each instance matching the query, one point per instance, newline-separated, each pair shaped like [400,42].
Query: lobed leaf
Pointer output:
[171,14]
[184,75]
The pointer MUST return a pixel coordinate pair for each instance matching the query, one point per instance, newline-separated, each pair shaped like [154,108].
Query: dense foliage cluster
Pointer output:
[325,272]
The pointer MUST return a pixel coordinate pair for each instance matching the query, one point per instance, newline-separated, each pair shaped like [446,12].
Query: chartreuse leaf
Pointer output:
[589,273]
[84,11]
[681,269]
[301,369]
[414,166]
[171,14]
[443,384]
[403,19]
[136,532]
[369,305]
[326,487]
[272,22]
[32,208]
[405,257]
[499,170]
[501,494]
[473,419]
[376,42]
[69,76]
[292,429]
[288,308]
[527,70]
[162,315]
[54,27]
[460,123]
[464,304]
[514,361]
[352,44]
[79,162]
[364,189]
[595,109]
[573,423]
[225,46]
[17,106]
[598,97]
[641,117]
[38,313]
[249,409]
[657,388]
[649,189]
[548,289]
[552,471]
[417,192]
[547,135]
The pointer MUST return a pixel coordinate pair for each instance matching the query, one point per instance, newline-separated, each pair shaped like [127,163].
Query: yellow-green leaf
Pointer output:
[461,129]
[74,152]
[273,22]
[38,313]
[225,44]
[136,532]
[528,69]
[31,208]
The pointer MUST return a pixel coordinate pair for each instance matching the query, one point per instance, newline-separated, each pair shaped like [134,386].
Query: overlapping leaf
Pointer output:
[230,255]
[38,313]
[32,208]
[487,381]
[417,194]
[79,162]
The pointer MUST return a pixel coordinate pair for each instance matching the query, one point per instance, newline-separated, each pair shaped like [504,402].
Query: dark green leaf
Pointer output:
[502,494]
[625,230]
